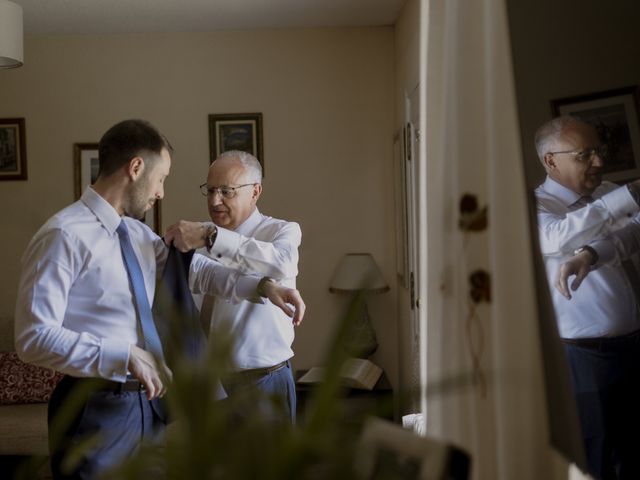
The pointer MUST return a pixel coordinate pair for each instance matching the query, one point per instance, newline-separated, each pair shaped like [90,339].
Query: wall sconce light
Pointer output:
[358,272]
[11,39]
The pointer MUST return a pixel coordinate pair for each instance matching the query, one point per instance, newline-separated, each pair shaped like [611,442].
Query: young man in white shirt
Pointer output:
[245,240]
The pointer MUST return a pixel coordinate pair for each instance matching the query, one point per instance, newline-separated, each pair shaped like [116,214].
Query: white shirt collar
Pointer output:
[250,223]
[567,196]
[102,209]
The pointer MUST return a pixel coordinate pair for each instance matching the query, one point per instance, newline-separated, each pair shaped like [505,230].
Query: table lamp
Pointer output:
[11,37]
[358,272]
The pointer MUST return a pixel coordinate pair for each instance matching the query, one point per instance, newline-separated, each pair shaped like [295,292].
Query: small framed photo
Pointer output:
[86,167]
[236,131]
[13,149]
[614,114]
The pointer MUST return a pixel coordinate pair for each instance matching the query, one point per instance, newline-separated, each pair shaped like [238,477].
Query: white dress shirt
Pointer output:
[605,304]
[262,246]
[75,311]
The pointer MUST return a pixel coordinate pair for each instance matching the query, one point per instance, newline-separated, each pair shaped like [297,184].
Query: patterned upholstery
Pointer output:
[22,383]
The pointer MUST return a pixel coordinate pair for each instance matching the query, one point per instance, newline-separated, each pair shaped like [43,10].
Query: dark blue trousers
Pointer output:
[275,393]
[114,423]
[606,382]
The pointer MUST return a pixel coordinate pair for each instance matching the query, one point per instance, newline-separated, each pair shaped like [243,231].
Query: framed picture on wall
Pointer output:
[236,131]
[614,114]
[86,167]
[13,149]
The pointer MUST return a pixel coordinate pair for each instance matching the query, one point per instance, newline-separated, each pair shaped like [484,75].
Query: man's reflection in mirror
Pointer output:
[590,226]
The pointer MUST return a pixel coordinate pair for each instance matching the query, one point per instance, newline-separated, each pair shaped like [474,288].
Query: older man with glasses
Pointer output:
[583,220]
[249,242]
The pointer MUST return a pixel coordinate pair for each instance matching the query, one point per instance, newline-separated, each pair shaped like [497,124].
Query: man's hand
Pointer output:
[143,366]
[580,266]
[186,235]
[283,297]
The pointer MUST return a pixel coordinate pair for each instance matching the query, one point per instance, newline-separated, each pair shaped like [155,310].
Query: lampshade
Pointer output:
[11,53]
[358,271]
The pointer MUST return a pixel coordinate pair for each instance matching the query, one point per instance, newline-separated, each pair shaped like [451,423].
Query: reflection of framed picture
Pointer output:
[13,149]
[86,167]
[614,114]
[236,131]
[399,171]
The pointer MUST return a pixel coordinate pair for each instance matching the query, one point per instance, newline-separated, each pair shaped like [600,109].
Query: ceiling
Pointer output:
[144,16]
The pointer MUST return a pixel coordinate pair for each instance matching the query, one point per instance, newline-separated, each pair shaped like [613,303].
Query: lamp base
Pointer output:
[361,342]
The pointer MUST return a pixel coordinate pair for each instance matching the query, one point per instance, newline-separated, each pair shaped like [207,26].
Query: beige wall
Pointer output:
[567,48]
[327,100]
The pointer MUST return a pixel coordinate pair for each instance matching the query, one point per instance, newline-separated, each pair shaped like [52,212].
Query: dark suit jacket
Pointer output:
[177,318]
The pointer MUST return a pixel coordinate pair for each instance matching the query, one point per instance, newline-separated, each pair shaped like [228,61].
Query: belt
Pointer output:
[131,385]
[101,385]
[605,343]
[258,372]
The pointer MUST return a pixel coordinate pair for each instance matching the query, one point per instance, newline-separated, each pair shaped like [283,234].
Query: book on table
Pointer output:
[356,373]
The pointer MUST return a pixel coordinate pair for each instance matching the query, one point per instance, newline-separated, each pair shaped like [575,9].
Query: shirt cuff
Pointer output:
[226,245]
[620,203]
[114,358]
[247,287]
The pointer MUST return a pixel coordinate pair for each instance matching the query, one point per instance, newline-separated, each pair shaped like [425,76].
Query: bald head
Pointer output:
[554,130]
[250,164]
[241,174]
[571,154]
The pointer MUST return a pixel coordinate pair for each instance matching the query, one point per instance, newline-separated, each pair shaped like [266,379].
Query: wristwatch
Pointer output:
[263,281]
[635,192]
[210,236]
[591,250]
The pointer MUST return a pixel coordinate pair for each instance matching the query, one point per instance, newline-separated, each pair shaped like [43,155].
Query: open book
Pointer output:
[356,373]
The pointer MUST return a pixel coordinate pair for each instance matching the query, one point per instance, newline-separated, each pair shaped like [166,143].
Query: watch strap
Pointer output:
[591,250]
[210,237]
[263,281]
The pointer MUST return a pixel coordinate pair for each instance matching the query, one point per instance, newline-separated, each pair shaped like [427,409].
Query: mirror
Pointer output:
[564,53]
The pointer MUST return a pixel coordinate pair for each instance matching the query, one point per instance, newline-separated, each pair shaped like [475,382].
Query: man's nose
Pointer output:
[597,160]
[215,198]
[160,193]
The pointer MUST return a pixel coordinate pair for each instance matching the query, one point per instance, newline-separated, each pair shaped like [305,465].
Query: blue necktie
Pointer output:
[141,302]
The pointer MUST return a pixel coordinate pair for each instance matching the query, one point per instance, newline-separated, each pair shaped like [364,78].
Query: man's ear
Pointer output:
[135,167]
[549,161]
[257,191]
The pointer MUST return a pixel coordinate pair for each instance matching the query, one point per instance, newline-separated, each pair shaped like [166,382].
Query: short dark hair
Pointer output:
[126,140]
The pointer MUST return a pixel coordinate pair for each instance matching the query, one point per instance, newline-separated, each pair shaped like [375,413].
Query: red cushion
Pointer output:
[24,383]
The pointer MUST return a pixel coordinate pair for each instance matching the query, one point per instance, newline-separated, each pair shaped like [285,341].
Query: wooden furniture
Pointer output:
[354,404]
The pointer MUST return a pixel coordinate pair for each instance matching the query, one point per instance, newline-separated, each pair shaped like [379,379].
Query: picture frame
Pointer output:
[614,114]
[13,149]
[236,131]
[85,170]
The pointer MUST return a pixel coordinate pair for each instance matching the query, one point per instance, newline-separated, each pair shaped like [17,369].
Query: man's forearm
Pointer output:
[276,258]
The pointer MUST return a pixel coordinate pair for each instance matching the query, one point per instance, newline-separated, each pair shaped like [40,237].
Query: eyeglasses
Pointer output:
[586,155]
[226,192]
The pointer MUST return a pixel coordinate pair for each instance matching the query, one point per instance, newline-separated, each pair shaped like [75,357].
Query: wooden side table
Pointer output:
[354,404]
